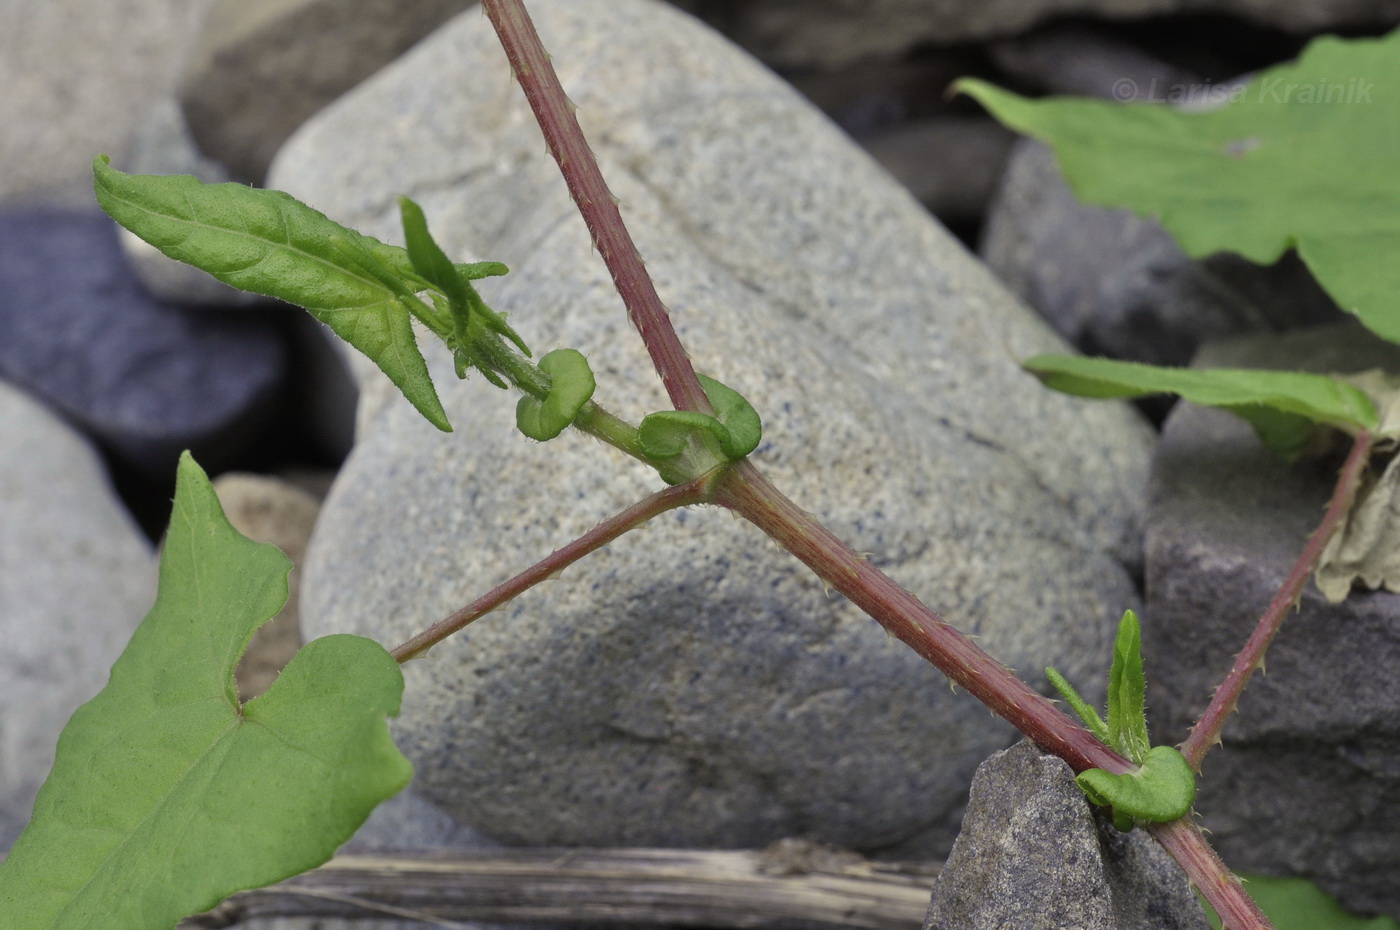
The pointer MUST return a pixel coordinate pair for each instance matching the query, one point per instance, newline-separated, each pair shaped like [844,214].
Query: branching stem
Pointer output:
[743,489]
[747,492]
[682,495]
[1206,732]
[567,144]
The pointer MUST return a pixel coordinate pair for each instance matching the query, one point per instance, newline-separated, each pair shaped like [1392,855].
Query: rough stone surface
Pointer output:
[161,144]
[76,577]
[1307,779]
[1118,284]
[260,69]
[146,378]
[270,510]
[690,685]
[76,76]
[834,33]
[1033,854]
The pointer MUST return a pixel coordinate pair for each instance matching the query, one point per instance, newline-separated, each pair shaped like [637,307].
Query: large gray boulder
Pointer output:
[76,577]
[1033,854]
[691,685]
[259,70]
[1306,781]
[77,77]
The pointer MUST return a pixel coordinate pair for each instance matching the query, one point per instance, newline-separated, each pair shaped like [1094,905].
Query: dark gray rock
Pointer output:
[692,685]
[953,165]
[1080,60]
[1033,854]
[146,379]
[835,33]
[259,70]
[76,577]
[1307,779]
[1116,284]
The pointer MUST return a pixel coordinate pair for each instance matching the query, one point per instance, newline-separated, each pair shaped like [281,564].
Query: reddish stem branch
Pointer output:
[1216,883]
[1206,732]
[555,114]
[691,492]
[746,491]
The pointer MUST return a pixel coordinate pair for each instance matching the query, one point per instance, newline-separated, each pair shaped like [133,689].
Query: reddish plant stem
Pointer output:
[567,144]
[1217,884]
[744,490]
[691,492]
[747,492]
[1206,732]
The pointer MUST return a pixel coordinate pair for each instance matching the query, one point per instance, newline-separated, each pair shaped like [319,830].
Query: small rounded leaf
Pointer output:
[571,386]
[1162,789]
[740,420]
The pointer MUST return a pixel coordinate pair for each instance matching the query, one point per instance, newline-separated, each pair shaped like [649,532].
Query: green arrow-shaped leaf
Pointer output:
[1162,789]
[1282,406]
[166,795]
[1290,160]
[270,243]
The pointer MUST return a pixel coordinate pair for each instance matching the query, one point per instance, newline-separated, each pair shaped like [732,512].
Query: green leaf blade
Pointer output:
[1287,161]
[1282,406]
[166,796]
[1298,904]
[1127,692]
[269,243]
[1086,712]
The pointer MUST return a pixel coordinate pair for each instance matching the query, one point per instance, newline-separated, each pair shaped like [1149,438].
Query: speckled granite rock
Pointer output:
[1307,779]
[76,577]
[148,379]
[77,76]
[691,686]
[1033,854]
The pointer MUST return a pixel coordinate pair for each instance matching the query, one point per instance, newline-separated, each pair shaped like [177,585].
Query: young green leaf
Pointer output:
[571,386]
[166,794]
[1282,406]
[467,313]
[1127,692]
[1086,712]
[1162,789]
[1248,177]
[270,243]
[428,258]
[736,426]
[738,416]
